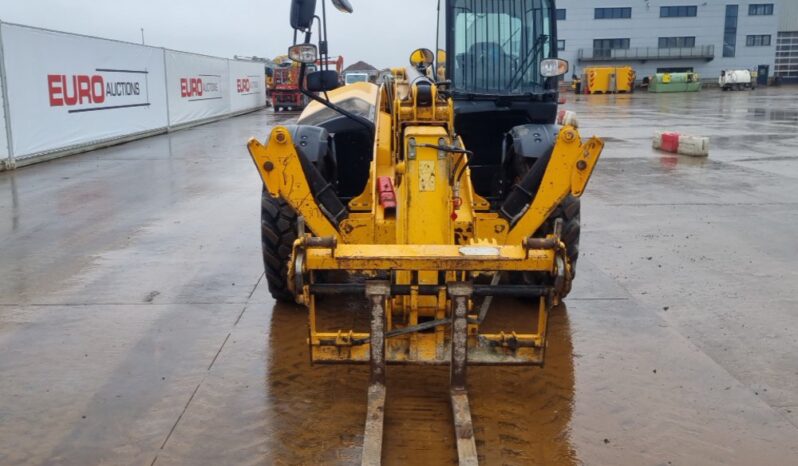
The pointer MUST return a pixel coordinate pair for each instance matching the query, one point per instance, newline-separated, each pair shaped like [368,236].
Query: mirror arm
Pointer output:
[369,125]
[322,42]
[324,22]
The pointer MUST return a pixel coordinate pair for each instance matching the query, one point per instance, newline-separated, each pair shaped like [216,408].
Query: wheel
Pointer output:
[569,211]
[278,227]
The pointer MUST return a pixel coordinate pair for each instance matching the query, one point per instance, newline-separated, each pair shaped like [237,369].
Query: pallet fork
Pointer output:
[378,295]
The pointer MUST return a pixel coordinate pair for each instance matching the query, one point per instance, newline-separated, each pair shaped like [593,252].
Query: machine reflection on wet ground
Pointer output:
[521,414]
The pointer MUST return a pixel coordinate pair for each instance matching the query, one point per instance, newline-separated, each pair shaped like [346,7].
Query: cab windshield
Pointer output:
[497,45]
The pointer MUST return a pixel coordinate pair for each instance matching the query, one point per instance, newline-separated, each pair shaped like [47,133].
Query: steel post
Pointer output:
[461,410]
[10,162]
[460,293]
[377,293]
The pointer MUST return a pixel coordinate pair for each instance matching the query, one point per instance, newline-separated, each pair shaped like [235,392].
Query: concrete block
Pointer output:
[694,146]
[567,117]
[668,141]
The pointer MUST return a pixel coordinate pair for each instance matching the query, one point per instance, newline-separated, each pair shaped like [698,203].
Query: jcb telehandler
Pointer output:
[448,185]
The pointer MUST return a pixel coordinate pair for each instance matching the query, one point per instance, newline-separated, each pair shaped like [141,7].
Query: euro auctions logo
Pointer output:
[104,89]
[201,87]
[243,85]
[248,85]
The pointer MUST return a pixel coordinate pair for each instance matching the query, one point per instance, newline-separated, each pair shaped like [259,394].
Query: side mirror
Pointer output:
[343,6]
[302,12]
[303,53]
[422,59]
[553,67]
[322,81]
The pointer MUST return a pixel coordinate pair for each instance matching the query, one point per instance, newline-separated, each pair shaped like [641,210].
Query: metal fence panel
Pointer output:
[247,85]
[67,90]
[198,87]
[4,153]
[67,93]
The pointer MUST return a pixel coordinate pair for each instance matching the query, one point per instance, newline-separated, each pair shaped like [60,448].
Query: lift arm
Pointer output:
[281,170]
[568,172]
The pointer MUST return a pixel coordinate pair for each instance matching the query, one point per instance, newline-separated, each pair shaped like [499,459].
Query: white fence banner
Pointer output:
[197,86]
[247,85]
[66,90]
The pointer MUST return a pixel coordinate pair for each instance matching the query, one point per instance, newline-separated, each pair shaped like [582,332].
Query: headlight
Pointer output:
[303,53]
[552,67]
[343,6]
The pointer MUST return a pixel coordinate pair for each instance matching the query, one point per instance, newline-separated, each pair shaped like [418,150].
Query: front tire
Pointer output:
[569,211]
[278,227]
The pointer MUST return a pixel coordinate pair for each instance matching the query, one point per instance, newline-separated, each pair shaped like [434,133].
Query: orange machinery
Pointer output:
[284,91]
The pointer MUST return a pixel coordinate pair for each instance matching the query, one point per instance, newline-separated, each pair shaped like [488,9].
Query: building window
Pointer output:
[760,9]
[787,55]
[613,13]
[602,48]
[676,42]
[560,45]
[758,40]
[610,44]
[730,31]
[677,11]
[561,14]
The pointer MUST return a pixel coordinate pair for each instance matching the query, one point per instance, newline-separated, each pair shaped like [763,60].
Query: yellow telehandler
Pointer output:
[446,186]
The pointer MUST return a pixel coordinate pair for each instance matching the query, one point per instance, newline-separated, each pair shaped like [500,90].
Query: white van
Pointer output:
[356,78]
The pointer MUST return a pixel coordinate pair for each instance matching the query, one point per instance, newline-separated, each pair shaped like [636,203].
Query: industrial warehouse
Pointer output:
[507,232]
[682,36]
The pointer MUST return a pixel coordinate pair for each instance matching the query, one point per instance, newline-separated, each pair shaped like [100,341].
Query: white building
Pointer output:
[705,36]
[787,42]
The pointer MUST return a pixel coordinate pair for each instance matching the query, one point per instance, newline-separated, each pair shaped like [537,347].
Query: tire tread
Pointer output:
[278,233]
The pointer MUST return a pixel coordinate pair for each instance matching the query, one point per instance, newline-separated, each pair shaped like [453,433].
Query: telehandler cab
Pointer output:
[446,186]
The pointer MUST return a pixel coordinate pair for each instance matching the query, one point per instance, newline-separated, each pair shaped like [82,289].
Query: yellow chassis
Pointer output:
[418,244]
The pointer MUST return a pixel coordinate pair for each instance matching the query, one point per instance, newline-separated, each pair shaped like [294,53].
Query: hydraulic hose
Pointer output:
[523,192]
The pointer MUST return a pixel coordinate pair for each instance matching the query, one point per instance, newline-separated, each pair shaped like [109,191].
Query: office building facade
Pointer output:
[705,36]
[787,42]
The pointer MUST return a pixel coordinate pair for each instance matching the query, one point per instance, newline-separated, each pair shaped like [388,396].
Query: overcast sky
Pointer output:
[243,27]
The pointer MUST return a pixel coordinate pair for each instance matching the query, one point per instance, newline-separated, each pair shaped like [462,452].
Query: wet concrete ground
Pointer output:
[135,327]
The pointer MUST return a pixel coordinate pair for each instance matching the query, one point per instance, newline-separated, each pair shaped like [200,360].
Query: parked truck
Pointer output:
[736,80]
[285,92]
